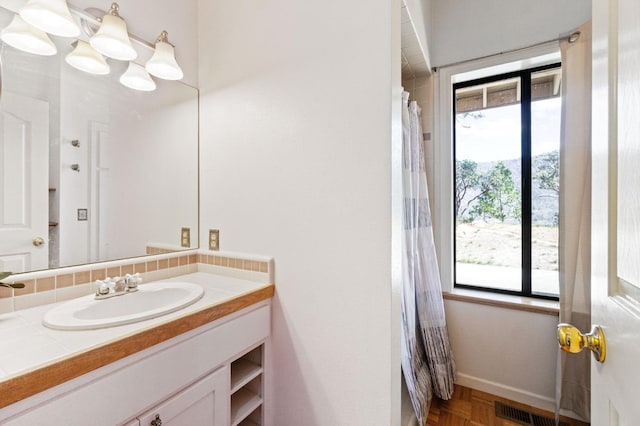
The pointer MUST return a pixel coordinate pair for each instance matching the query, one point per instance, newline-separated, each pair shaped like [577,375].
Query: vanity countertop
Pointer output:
[34,358]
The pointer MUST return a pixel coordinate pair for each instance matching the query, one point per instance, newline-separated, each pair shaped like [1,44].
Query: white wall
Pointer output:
[465,29]
[505,352]
[296,114]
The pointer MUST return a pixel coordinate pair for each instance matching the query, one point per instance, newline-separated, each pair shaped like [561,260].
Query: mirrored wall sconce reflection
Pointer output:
[24,37]
[86,58]
[29,28]
[137,78]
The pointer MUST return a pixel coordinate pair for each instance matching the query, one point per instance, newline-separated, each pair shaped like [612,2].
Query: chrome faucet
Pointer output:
[117,286]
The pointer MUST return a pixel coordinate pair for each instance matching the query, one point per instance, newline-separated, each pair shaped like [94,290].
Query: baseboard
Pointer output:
[519,395]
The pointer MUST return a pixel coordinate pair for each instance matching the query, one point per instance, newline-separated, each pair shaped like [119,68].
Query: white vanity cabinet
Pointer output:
[203,403]
[211,375]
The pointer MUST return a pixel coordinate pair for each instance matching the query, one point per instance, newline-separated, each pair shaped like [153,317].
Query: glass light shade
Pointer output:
[163,63]
[87,59]
[137,78]
[112,39]
[24,37]
[51,16]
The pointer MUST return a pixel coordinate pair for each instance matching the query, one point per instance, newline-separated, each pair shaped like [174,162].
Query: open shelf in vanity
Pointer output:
[247,388]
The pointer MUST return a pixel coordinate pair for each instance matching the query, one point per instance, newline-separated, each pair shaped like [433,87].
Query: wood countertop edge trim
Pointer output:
[30,383]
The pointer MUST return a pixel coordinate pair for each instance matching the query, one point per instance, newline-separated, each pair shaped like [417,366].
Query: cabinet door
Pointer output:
[205,403]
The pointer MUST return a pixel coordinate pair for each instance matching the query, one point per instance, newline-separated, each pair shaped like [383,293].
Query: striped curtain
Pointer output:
[427,361]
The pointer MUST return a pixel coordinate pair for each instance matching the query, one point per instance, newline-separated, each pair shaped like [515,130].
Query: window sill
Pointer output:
[506,301]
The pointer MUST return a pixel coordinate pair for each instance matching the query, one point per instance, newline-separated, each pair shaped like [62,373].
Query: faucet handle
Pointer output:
[103,288]
[132,281]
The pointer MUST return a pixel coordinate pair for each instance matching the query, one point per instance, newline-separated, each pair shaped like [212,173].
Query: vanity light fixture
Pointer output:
[137,78]
[51,16]
[112,38]
[86,58]
[163,63]
[24,37]
[29,27]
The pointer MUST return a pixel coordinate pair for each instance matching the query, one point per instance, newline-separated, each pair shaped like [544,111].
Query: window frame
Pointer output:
[526,177]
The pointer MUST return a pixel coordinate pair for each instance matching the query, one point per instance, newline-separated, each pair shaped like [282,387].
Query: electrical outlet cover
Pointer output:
[185,237]
[214,239]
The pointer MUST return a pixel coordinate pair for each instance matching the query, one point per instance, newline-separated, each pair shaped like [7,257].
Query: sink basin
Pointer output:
[150,301]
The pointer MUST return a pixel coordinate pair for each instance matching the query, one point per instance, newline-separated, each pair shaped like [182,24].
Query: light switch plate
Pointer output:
[214,239]
[185,237]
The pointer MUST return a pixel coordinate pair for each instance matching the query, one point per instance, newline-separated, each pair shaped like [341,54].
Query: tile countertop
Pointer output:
[29,348]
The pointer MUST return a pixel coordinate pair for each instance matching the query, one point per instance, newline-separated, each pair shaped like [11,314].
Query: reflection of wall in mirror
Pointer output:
[155,163]
[138,167]
[81,106]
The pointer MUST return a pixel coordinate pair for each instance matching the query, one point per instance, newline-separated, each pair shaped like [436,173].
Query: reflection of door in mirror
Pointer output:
[24,148]
[99,234]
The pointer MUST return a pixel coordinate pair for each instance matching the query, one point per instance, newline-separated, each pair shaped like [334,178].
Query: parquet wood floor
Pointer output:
[470,407]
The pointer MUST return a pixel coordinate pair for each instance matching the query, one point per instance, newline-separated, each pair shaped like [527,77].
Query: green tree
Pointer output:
[467,180]
[547,171]
[499,198]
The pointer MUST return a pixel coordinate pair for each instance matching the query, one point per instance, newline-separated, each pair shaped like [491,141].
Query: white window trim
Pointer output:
[443,137]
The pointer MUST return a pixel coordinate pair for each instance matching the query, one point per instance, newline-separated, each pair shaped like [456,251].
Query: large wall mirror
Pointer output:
[91,170]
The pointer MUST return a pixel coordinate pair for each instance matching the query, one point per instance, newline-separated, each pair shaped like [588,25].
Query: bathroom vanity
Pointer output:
[203,365]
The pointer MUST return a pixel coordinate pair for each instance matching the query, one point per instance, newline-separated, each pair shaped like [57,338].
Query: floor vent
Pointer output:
[523,417]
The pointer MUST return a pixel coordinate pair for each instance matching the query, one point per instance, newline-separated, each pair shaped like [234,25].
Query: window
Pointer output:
[506,182]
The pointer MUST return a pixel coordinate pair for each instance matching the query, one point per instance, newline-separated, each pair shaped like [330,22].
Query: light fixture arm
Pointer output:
[90,18]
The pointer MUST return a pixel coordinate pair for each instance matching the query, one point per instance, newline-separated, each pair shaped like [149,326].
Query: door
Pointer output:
[616,210]
[204,403]
[24,181]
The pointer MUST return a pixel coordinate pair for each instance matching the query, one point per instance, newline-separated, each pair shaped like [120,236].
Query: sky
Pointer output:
[496,134]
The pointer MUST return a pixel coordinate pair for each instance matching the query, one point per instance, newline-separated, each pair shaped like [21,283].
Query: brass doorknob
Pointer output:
[571,340]
[38,241]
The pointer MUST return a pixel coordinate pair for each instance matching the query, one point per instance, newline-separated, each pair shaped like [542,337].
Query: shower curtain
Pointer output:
[427,361]
[573,375]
